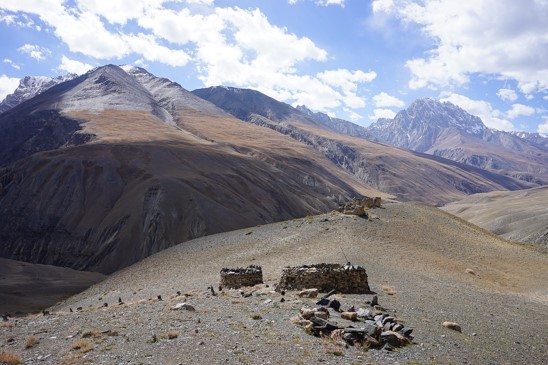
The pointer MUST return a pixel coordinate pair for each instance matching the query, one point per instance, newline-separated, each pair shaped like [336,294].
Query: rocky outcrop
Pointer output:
[347,278]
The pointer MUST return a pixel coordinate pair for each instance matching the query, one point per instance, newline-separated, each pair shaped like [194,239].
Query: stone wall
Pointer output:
[236,278]
[351,279]
[359,206]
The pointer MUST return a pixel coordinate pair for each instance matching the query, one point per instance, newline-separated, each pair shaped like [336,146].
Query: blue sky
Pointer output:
[354,59]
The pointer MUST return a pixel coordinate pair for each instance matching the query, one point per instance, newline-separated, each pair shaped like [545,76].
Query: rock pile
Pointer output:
[359,206]
[236,278]
[350,279]
[365,327]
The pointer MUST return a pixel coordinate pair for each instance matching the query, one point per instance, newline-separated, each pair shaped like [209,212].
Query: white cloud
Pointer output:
[382,113]
[330,2]
[12,64]
[519,109]
[385,100]
[322,2]
[73,66]
[34,51]
[231,46]
[492,37]
[543,127]
[7,85]
[352,115]
[492,118]
[155,51]
[507,94]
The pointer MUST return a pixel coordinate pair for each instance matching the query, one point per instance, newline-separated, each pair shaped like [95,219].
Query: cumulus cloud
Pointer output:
[7,85]
[519,109]
[492,118]
[382,113]
[494,37]
[73,66]
[507,94]
[12,64]
[330,2]
[322,2]
[543,128]
[385,100]
[230,45]
[34,51]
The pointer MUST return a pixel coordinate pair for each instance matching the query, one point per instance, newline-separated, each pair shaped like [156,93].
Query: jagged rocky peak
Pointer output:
[419,126]
[29,87]
[434,113]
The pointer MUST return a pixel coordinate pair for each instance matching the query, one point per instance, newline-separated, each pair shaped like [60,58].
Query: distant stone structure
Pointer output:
[236,278]
[350,279]
[359,206]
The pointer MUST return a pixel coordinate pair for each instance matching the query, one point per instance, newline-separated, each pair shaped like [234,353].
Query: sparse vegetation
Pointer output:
[83,345]
[171,335]
[9,358]
[31,341]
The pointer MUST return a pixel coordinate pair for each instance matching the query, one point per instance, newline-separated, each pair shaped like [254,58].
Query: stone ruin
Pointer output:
[350,279]
[359,206]
[236,278]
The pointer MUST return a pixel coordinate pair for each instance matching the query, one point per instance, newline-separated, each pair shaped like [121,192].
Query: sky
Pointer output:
[353,59]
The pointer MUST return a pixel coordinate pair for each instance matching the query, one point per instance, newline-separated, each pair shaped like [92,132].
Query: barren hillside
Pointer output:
[426,267]
[518,216]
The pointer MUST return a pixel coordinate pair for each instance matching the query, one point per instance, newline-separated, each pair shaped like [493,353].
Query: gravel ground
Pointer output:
[420,253]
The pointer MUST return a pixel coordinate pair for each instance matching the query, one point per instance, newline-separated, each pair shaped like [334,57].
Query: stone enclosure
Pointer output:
[359,206]
[350,279]
[236,278]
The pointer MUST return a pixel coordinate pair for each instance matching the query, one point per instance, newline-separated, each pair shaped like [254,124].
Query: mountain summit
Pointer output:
[445,130]
[420,126]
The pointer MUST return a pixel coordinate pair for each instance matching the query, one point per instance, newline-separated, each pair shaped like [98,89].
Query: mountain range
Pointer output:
[446,130]
[106,168]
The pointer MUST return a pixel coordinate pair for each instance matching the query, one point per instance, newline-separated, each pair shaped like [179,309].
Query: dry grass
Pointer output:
[91,334]
[83,345]
[70,359]
[31,341]
[9,358]
[171,335]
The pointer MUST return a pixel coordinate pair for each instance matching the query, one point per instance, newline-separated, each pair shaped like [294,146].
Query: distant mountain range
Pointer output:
[106,168]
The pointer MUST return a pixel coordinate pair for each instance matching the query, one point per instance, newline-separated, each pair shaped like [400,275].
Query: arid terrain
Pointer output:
[517,216]
[425,265]
[27,287]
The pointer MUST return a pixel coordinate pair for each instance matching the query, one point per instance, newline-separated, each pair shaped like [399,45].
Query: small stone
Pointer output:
[379,308]
[452,326]
[375,301]
[159,297]
[307,313]
[351,316]
[397,327]
[321,314]
[282,300]
[394,338]
[267,301]
[308,293]
[335,304]
[184,306]
[364,313]
[406,331]
[470,271]
[323,301]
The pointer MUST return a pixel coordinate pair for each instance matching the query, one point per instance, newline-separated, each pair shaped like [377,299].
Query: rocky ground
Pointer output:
[425,266]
